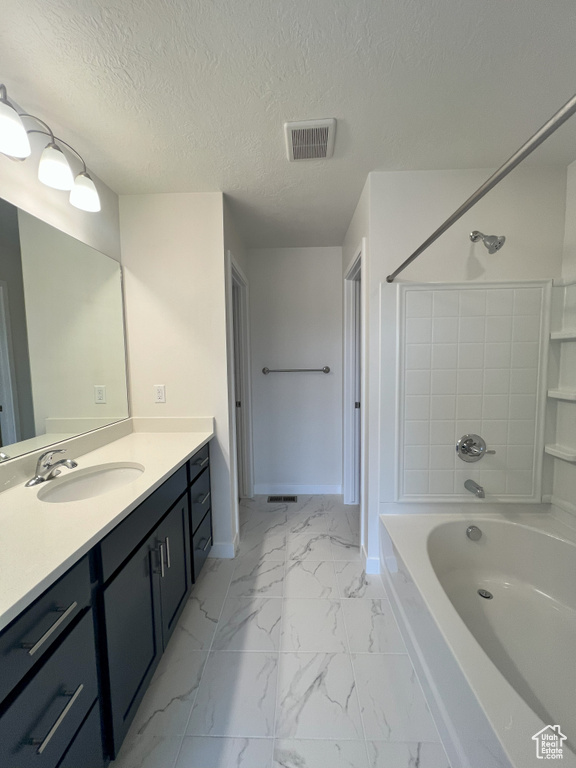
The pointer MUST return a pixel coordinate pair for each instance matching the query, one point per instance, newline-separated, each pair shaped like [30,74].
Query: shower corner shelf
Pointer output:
[562,394]
[566,335]
[561,452]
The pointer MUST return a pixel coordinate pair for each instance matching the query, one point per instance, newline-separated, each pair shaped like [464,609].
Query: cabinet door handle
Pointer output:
[43,743]
[208,542]
[33,647]
[200,500]
[202,462]
[167,542]
[161,555]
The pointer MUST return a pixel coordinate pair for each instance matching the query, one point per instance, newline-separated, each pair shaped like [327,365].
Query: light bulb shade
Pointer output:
[54,170]
[13,137]
[84,194]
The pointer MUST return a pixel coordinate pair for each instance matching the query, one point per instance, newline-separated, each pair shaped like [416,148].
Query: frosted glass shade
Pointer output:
[13,137]
[54,170]
[84,194]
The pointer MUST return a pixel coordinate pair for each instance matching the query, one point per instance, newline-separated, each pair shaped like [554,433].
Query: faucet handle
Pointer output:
[46,458]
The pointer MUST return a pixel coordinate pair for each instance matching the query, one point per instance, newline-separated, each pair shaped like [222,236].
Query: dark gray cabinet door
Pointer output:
[173,540]
[133,634]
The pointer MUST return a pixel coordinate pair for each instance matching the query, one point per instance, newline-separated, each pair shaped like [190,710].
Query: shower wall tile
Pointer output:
[470,360]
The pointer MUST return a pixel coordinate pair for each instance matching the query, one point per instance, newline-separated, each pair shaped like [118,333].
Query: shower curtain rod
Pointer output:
[541,135]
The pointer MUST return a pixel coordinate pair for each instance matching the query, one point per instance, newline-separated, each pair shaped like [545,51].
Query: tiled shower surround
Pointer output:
[471,361]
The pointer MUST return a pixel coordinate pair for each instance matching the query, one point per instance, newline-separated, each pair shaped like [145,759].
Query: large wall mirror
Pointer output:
[62,350]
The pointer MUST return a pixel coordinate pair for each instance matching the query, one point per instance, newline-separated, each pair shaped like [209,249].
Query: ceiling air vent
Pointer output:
[310,139]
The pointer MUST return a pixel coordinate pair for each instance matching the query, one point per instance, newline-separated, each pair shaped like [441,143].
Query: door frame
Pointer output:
[242,476]
[10,423]
[354,346]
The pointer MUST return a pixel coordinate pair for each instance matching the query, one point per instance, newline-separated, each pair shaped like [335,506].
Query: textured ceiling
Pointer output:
[191,95]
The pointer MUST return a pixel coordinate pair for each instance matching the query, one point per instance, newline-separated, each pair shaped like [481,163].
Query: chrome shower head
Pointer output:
[492,242]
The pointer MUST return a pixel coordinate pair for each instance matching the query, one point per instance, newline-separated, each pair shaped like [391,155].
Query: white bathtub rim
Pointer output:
[502,705]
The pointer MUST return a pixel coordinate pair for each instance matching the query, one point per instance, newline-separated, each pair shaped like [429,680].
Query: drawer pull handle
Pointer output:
[33,647]
[43,743]
[208,542]
[167,542]
[161,556]
[202,462]
[203,500]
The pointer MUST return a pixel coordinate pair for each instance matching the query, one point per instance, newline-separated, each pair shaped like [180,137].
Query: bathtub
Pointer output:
[498,668]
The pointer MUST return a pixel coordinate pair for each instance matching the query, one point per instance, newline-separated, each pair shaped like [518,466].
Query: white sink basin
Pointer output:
[90,482]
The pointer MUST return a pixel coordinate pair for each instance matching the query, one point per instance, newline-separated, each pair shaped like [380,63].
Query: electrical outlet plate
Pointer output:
[159,393]
[99,393]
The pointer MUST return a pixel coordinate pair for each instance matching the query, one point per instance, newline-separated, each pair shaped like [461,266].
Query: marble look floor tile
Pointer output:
[199,620]
[249,624]
[345,549]
[155,734]
[386,754]
[214,579]
[263,522]
[346,524]
[220,752]
[354,582]
[308,522]
[319,753]
[255,578]
[317,697]
[371,627]
[313,625]
[306,578]
[236,696]
[267,546]
[309,546]
[391,699]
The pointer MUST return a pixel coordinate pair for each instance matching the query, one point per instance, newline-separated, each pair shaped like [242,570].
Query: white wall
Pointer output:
[405,208]
[296,322]
[19,185]
[174,270]
[74,318]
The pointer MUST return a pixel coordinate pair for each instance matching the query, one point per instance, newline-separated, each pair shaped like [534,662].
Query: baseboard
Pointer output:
[263,489]
[225,550]
[372,565]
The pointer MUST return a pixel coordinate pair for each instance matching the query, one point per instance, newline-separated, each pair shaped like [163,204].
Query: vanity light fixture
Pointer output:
[13,137]
[53,169]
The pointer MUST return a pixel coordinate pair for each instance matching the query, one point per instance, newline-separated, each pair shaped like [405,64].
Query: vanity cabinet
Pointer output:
[75,665]
[41,720]
[143,600]
[200,509]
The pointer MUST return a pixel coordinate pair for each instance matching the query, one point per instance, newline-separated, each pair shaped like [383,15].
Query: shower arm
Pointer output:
[540,136]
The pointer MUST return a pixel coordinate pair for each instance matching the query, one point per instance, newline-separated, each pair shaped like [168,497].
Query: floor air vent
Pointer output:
[310,139]
[285,499]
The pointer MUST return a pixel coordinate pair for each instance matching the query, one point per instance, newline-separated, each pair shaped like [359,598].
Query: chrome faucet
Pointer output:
[474,488]
[47,470]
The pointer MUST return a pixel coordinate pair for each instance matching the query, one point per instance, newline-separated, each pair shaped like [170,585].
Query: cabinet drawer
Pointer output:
[202,544]
[198,462]
[124,539]
[51,708]
[86,749]
[29,636]
[200,498]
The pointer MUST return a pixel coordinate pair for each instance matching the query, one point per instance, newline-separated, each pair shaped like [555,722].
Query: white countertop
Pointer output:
[40,541]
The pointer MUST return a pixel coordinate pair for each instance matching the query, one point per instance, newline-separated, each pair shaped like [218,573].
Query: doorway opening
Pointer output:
[241,382]
[353,381]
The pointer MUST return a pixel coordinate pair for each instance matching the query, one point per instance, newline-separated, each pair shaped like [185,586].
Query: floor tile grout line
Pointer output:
[356,688]
[185,732]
